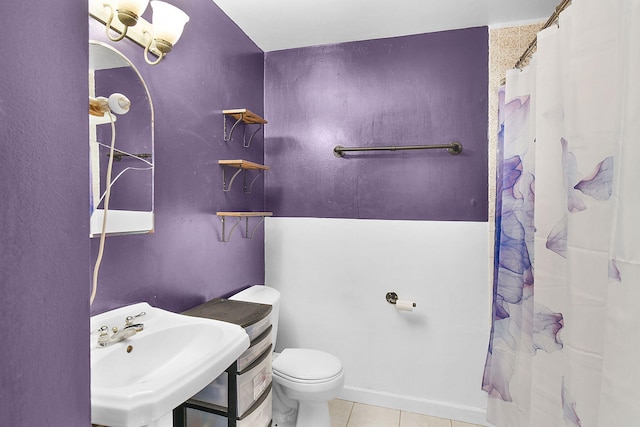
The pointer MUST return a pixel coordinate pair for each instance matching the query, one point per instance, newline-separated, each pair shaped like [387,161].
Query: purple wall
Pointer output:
[44,249]
[414,90]
[46,255]
[213,67]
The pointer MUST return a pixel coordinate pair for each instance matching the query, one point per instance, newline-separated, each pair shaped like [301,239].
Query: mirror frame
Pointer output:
[128,224]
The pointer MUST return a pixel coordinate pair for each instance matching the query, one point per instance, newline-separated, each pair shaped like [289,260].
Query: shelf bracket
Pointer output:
[241,165]
[246,144]
[229,137]
[247,190]
[253,231]
[247,118]
[227,237]
[226,187]
[248,234]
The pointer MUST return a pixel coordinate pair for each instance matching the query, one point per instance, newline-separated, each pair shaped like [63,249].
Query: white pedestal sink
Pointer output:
[140,380]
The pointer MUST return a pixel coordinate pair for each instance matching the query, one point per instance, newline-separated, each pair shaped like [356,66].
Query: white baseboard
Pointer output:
[419,406]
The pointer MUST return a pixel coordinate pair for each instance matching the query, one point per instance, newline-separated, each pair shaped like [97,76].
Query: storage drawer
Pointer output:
[251,384]
[256,329]
[260,417]
[258,347]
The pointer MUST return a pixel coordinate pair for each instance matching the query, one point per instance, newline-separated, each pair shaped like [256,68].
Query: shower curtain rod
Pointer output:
[552,20]
[453,148]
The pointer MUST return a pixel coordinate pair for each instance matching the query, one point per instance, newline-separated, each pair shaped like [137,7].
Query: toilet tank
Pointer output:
[262,294]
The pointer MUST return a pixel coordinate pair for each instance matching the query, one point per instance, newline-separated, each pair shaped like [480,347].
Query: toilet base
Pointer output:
[310,414]
[303,413]
[313,414]
[285,410]
[284,424]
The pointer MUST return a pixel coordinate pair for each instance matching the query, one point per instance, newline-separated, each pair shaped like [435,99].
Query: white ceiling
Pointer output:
[284,24]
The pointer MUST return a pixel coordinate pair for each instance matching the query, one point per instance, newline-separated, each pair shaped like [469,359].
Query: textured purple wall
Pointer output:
[44,249]
[214,66]
[414,90]
[46,255]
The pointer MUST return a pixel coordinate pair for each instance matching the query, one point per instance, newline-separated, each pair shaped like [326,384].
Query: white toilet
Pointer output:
[304,380]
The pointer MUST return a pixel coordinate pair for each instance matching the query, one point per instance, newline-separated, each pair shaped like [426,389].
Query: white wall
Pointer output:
[334,274]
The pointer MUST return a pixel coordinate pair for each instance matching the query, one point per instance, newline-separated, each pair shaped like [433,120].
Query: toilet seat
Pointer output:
[306,366]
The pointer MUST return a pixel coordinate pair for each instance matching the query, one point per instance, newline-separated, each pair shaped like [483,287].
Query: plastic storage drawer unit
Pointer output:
[260,417]
[241,396]
[251,384]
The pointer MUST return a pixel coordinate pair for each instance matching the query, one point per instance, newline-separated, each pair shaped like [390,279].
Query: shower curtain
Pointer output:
[565,339]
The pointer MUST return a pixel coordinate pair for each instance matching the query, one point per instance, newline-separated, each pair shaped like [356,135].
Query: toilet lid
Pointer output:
[306,365]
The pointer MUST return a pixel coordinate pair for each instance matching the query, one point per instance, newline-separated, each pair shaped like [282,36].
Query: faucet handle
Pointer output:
[102,330]
[128,321]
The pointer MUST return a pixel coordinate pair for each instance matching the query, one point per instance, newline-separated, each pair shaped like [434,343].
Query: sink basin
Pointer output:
[139,381]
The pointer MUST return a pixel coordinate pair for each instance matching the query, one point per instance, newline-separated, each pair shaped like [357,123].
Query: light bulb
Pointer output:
[134,6]
[168,21]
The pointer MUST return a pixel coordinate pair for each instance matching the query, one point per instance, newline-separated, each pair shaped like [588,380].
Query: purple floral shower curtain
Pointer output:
[565,340]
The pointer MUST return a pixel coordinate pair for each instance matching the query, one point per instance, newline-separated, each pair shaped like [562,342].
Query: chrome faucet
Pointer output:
[129,330]
[105,340]
[128,322]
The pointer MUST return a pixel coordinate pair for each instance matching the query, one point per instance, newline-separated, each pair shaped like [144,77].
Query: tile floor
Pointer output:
[350,414]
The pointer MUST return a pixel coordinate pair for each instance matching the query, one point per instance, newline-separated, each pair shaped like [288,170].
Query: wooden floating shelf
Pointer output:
[244,214]
[243,164]
[245,116]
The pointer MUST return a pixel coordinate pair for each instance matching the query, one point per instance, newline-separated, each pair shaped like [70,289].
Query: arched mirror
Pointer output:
[130,208]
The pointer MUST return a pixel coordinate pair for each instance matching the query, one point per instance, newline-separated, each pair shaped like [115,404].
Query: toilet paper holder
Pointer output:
[392,298]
